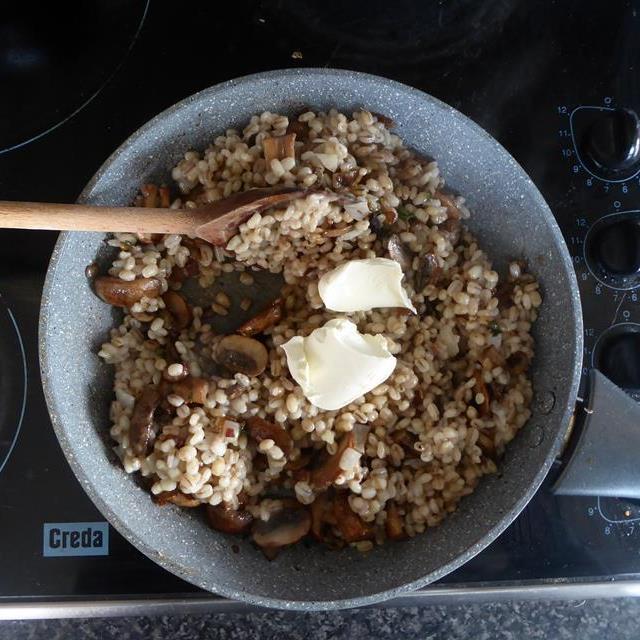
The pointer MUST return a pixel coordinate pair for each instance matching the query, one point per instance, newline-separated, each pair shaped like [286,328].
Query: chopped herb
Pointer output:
[405,214]
[495,328]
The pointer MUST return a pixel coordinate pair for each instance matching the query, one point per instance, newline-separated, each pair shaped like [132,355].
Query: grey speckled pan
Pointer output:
[509,216]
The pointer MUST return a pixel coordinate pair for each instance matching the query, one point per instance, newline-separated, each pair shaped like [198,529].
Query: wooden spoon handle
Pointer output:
[80,217]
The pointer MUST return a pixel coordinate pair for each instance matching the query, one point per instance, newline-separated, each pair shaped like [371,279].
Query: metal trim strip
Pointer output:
[34,609]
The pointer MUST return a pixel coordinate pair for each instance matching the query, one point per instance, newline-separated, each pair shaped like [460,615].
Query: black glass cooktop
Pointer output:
[555,82]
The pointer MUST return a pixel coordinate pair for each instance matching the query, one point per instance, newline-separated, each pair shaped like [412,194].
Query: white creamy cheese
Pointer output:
[362,285]
[336,364]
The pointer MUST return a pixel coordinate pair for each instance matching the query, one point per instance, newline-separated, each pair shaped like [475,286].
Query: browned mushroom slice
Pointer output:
[385,120]
[394,527]
[165,197]
[279,147]
[299,129]
[504,293]
[351,526]
[344,180]
[299,464]
[406,440]
[428,272]
[179,309]
[323,476]
[360,434]
[321,515]
[451,228]
[122,293]
[265,319]
[390,215]
[178,498]
[283,528]
[518,362]
[448,202]
[240,354]
[142,431]
[149,195]
[487,445]
[480,387]
[192,390]
[222,518]
[180,274]
[494,356]
[260,430]
[399,252]
[229,213]
[91,270]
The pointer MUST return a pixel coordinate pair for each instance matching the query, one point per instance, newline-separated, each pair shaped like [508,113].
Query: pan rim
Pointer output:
[573,368]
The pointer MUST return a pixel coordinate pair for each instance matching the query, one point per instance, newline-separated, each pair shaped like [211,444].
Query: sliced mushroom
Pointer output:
[390,215]
[299,129]
[451,228]
[180,274]
[399,252]
[228,214]
[504,293]
[518,362]
[385,120]
[122,293]
[153,196]
[178,498]
[394,526]
[336,232]
[494,356]
[323,476]
[265,319]
[428,272]
[142,431]
[260,430]
[149,195]
[299,464]
[322,515]
[283,528]
[406,440]
[344,180]
[360,434]
[351,526]
[449,202]
[279,147]
[91,270]
[179,309]
[222,518]
[481,387]
[192,390]
[165,197]
[487,445]
[240,354]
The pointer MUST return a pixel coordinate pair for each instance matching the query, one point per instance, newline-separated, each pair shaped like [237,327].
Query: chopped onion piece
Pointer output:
[350,459]
[358,209]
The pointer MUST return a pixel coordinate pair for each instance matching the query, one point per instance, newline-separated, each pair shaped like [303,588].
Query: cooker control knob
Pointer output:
[612,143]
[615,248]
[618,356]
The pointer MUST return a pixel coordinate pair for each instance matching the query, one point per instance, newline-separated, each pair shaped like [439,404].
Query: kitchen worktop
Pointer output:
[587,620]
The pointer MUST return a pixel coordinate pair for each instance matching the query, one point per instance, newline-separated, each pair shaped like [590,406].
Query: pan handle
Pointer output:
[605,460]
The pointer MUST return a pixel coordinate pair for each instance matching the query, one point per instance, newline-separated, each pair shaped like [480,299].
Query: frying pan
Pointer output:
[510,219]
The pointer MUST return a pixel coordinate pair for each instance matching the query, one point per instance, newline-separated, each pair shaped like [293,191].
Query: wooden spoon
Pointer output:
[216,222]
